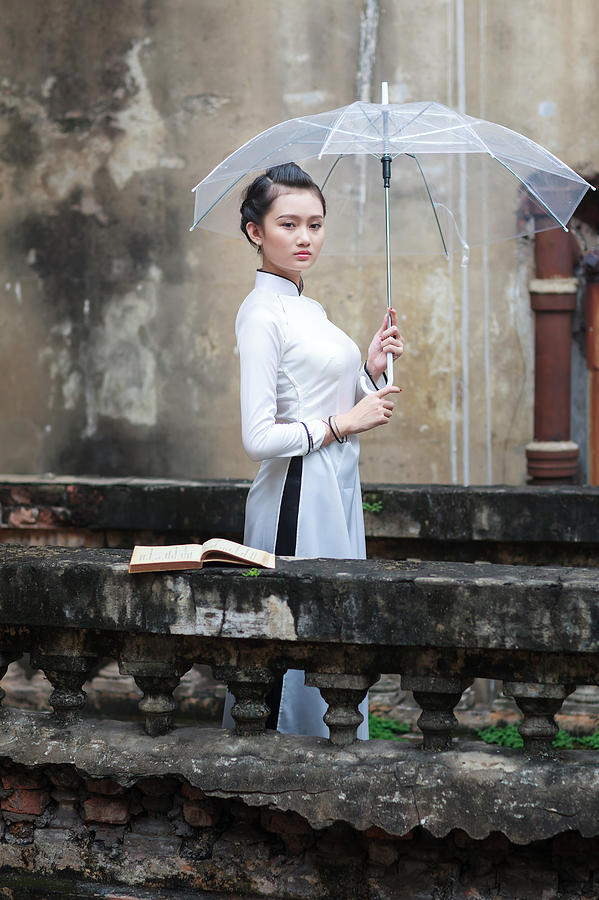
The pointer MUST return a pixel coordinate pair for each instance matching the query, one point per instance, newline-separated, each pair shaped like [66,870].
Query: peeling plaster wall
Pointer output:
[116,324]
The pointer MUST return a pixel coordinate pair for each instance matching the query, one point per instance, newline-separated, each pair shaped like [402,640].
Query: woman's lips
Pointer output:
[303,254]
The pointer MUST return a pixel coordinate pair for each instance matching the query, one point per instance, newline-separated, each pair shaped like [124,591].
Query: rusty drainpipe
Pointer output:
[552,457]
[591,264]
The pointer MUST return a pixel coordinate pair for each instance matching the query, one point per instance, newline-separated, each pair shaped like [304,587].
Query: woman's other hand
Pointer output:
[373,410]
[386,340]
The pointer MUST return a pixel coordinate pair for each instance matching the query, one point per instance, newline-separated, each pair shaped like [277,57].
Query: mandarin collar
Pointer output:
[278,283]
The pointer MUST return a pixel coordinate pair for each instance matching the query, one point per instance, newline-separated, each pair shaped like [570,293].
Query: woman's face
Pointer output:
[291,234]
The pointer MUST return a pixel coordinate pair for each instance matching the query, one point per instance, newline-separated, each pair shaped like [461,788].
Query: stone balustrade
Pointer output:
[438,625]
[159,805]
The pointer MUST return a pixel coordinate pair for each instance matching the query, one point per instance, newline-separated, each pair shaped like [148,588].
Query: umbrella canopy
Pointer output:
[458,181]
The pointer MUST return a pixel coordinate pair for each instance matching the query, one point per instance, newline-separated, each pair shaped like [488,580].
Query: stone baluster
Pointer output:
[437,698]
[157,672]
[538,703]
[343,694]
[158,704]
[67,674]
[156,665]
[249,686]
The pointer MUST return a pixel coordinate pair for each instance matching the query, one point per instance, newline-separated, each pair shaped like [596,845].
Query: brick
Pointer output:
[100,809]
[20,495]
[192,793]
[284,822]
[105,786]
[23,516]
[30,803]
[196,815]
[28,781]
[55,515]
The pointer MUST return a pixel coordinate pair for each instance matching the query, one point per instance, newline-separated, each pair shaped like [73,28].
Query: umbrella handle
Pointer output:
[389,358]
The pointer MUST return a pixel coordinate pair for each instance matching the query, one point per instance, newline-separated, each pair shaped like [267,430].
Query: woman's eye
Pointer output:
[316,225]
[287,224]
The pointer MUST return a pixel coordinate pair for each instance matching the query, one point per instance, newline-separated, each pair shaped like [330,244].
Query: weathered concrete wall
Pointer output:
[174,818]
[134,834]
[116,325]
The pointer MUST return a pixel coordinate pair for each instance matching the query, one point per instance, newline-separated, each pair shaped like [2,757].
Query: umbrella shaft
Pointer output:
[388,249]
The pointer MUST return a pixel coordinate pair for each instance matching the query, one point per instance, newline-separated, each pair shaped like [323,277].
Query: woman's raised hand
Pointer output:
[386,340]
[373,410]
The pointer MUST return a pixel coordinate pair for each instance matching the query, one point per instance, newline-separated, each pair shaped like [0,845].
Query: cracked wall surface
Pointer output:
[117,325]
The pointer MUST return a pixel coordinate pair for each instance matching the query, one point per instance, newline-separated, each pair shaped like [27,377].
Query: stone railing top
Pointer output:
[524,514]
[361,602]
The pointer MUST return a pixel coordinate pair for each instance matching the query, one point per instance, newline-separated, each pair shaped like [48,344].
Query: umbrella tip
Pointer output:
[384,93]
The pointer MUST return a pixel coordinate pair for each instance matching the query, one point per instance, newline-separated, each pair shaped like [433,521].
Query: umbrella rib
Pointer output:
[372,123]
[332,129]
[417,161]
[218,199]
[453,129]
[330,172]
[412,120]
[533,192]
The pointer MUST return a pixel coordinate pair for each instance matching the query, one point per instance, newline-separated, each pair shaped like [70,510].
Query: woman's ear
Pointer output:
[254,233]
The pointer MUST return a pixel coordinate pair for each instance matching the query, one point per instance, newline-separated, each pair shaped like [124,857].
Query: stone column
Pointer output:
[591,263]
[552,456]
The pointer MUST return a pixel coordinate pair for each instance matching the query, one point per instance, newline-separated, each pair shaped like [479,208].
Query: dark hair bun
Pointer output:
[263,190]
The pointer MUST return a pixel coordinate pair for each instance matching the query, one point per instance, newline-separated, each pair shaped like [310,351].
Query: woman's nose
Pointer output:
[303,236]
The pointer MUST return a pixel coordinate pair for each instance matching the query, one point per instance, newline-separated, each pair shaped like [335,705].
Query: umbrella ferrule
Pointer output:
[386,163]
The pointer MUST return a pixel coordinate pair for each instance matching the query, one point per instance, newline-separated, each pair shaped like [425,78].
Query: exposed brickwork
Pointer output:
[199,814]
[225,847]
[30,803]
[105,786]
[100,809]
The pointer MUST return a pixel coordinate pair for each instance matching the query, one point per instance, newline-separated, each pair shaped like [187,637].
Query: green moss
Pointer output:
[386,729]
[509,736]
[504,735]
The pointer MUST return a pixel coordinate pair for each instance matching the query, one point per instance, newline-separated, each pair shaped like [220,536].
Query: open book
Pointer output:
[193,556]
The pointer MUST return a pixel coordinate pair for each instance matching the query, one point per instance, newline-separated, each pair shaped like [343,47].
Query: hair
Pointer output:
[263,191]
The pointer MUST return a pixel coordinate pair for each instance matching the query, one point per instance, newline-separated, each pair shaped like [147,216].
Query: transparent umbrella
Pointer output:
[456,181]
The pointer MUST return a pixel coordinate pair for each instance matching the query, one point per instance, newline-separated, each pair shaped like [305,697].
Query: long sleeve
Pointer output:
[260,331]
[365,385]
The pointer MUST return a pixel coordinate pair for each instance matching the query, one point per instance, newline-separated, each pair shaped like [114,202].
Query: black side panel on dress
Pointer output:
[288,514]
[285,546]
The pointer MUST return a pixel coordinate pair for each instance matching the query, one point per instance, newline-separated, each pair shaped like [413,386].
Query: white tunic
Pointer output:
[297,369]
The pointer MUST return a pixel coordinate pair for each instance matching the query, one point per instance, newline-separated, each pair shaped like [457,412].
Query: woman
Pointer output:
[305,397]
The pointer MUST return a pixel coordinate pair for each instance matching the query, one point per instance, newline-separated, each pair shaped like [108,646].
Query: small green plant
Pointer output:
[251,573]
[372,505]
[387,729]
[509,736]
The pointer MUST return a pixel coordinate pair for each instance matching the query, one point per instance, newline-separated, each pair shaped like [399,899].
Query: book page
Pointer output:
[216,546]
[173,553]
